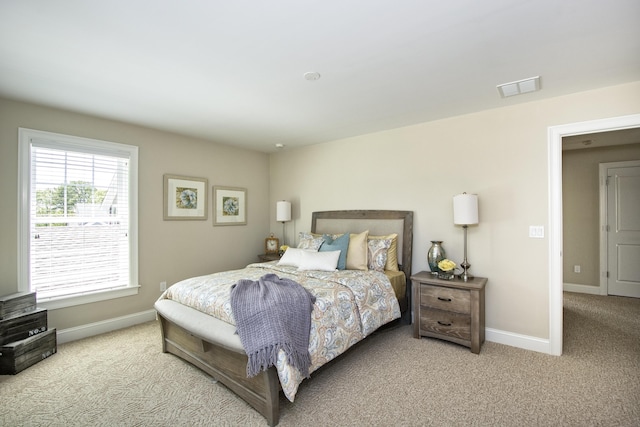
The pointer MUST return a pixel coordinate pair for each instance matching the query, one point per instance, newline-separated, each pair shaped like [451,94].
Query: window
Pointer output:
[78,216]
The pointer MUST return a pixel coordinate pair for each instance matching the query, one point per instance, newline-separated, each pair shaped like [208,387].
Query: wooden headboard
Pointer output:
[378,222]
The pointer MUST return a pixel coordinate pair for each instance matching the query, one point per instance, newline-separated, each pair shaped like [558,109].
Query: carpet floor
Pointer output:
[123,379]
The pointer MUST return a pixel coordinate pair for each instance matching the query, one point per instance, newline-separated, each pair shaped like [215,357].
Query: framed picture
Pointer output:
[185,197]
[229,206]
[271,245]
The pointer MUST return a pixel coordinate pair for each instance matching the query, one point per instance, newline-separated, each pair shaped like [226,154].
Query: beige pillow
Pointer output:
[392,252]
[357,252]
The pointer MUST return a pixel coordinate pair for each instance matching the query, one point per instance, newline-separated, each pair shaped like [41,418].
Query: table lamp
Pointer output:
[465,213]
[283,214]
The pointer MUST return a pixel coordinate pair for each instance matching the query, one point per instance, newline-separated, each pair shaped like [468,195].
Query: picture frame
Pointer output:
[185,198]
[229,205]
[271,245]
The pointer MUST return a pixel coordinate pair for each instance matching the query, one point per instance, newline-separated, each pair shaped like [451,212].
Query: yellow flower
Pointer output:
[446,265]
[283,248]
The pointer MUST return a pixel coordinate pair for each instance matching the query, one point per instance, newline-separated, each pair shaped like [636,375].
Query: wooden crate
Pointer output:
[19,355]
[17,303]
[23,326]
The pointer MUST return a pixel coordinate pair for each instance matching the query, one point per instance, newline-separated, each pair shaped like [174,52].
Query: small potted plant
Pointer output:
[446,269]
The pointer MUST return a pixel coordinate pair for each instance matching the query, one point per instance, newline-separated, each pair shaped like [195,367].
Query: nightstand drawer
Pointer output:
[446,323]
[457,300]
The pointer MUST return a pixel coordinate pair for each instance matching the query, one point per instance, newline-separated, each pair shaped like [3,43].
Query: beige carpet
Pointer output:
[123,379]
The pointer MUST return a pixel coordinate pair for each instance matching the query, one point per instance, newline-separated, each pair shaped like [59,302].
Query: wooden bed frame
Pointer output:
[229,367]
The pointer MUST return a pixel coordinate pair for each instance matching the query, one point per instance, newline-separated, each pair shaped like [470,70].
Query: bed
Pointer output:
[205,335]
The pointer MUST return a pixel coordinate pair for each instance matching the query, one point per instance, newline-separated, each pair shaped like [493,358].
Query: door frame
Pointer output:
[555,135]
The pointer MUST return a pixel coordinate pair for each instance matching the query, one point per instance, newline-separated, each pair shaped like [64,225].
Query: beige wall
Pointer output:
[168,250]
[500,154]
[581,208]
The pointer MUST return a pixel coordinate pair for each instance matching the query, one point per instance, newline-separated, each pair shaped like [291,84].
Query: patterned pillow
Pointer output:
[392,253]
[307,241]
[378,249]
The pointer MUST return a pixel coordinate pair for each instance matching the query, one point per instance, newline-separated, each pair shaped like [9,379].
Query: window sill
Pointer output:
[70,301]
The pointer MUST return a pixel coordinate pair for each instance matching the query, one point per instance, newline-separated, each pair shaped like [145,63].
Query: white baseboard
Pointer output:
[91,329]
[582,289]
[84,331]
[525,342]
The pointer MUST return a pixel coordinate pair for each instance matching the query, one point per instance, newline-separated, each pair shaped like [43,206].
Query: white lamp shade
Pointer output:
[465,209]
[283,211]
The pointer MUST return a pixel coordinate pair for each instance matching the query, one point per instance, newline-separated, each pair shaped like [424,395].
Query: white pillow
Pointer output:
[323,261]
[292,256]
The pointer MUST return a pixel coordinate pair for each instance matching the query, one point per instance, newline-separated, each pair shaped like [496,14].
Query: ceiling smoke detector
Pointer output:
[519,87]
[312,75]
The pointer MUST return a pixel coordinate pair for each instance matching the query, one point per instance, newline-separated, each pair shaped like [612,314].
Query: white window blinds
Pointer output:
[80,238]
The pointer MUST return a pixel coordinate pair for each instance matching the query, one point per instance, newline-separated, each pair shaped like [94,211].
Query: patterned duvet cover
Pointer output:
[349,306]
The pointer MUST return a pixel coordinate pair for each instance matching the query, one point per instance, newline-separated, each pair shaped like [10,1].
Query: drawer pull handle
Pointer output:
[444,299]
[444,324]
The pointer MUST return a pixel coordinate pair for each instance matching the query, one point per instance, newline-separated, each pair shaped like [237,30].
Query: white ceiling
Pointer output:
[232,71]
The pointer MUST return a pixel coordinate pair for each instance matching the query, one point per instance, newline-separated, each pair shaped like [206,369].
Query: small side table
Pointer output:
[268,257]
[451,310]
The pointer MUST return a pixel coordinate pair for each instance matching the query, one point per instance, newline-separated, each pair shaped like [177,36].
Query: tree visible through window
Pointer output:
[71,198]
[80,235]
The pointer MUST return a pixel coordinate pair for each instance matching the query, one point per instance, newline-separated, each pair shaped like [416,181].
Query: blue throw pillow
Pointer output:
[340,244]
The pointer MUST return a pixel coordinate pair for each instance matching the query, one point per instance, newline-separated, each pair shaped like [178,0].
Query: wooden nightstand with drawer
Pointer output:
[268,257]
[451,310]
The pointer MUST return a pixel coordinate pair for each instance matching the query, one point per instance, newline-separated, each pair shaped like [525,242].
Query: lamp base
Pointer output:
[465,276]
[284,238]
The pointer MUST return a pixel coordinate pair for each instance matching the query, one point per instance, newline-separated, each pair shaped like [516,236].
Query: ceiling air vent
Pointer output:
[531,84]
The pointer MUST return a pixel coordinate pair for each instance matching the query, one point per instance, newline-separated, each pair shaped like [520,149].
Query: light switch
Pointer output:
[536,231]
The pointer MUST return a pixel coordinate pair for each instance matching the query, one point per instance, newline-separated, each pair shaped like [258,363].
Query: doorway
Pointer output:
[587,162]
[555,135]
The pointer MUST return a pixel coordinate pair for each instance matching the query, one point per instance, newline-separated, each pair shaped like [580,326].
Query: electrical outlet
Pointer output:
[576,269]
[163,286]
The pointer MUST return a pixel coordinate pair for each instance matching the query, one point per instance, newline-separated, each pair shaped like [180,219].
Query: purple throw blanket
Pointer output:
[271,314]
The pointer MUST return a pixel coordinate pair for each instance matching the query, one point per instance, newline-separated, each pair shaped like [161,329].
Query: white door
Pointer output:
[623,236]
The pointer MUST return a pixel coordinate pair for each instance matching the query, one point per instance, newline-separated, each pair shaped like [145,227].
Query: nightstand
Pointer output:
[268,257]
[451,310]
